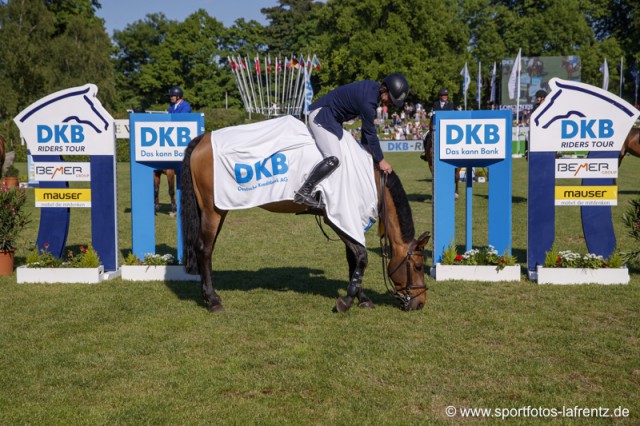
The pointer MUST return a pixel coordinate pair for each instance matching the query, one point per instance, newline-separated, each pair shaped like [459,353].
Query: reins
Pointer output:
[385,254]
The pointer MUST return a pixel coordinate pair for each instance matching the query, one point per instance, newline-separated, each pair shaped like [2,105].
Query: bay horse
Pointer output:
[428,155]
[631,145]
[171,181]
[202,221]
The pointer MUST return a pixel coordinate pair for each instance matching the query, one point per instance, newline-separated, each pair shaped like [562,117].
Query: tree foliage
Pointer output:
[46,46]
[49,45]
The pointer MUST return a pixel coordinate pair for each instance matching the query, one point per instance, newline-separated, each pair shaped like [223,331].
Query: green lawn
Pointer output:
[150,353]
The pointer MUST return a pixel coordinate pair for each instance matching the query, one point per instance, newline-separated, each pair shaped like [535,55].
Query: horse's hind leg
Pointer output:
[171,180]
[210,226]
[357,259]
[156,189]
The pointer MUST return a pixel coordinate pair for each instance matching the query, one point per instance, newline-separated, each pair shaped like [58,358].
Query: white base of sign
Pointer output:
[475,273]
[582,276]
[60,275]
[156,273]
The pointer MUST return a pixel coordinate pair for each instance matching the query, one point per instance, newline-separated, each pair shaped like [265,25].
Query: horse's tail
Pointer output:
[190,211]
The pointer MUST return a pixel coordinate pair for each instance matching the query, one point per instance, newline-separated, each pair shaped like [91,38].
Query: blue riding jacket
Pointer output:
[180,107]
[359,99]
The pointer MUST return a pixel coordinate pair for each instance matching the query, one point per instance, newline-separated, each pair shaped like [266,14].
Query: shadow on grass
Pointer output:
[420,198]
[301,280]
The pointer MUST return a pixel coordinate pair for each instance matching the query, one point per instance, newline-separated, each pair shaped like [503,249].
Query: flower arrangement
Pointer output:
[482,256]
[12,219]
[87,257]
[568,259]
[150,259]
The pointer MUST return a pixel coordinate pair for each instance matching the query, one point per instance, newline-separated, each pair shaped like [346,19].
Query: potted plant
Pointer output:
[12,220]
[82,266]
[154,267]
[568,267]
[479,264]
[11,177]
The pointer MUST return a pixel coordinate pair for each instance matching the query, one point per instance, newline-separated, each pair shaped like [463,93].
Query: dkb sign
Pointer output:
[575,116]
[472,139]
[158,141]
[73,122]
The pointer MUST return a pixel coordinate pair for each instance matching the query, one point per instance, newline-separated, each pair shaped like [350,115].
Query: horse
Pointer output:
[171,180]
[631,145]
[202,221]
[428,155]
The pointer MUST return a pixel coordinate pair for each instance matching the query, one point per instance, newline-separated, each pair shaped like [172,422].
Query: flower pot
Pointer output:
[582,275]
[475,273]
[10,182]
[6,262]
[156,273]
[60,275]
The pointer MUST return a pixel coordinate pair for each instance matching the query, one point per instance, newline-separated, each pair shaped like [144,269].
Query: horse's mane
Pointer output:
[403,209]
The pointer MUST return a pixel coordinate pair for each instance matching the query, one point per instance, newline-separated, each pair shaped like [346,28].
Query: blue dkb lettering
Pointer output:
[183,136]
[241,169]
[585,128]
[261,169]
[165,136]
[77,134]
[44,133]
[279,164]
[491,135]
[454,134]
[472,134]
[605,128]
[148,136]
[59,134]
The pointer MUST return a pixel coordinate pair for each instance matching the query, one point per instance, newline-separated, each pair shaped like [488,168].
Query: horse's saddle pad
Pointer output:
[266,162]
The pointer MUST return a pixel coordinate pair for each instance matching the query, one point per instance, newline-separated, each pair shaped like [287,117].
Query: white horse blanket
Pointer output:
[266,162]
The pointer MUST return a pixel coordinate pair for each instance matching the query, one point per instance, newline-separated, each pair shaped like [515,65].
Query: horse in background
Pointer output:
[428,155]
[631,145]
[171,180]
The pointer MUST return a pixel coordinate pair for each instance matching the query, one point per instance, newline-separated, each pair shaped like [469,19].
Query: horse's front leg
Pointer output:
[357,259]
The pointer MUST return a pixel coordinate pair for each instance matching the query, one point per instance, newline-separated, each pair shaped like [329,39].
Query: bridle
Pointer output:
[385,252]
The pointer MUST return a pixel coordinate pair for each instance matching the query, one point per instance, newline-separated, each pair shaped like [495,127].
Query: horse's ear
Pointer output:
[423,240]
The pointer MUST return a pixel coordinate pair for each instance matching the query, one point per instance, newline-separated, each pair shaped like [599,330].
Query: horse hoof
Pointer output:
[216,307]
[172,214]
[366,304]
[343,304]
[457,196]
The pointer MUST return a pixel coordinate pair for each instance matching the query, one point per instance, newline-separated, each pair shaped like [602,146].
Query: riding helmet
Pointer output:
[443,92]
[176,91]
[541,94]
[398,88]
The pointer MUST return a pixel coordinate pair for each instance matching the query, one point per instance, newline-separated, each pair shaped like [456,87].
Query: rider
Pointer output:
[359,99]
[443,103]
[177,104]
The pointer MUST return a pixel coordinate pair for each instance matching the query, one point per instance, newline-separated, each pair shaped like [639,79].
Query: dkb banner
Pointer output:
[158,141]
[575,117]
[73,122]
[472,139]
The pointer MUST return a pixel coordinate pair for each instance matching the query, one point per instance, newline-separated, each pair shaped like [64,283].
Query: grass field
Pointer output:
[150,353]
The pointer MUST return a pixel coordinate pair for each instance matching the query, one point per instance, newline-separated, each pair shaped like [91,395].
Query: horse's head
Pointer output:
[407,275]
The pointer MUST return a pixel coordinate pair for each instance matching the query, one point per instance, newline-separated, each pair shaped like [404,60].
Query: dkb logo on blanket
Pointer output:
[245,173]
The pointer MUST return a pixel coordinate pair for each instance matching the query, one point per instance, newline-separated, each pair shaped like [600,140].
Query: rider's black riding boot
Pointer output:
[321,170]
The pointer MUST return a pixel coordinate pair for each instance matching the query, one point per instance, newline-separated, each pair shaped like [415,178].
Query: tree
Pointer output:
[47,47]
[368,39]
